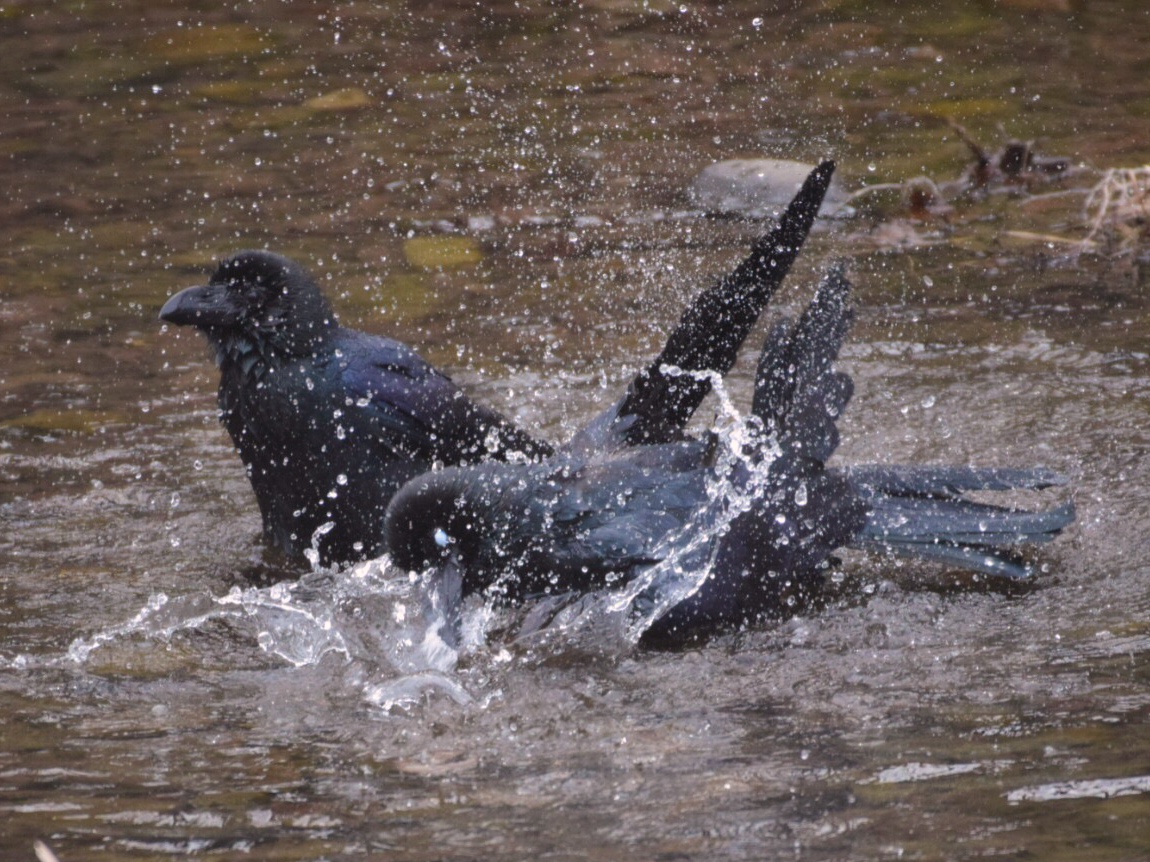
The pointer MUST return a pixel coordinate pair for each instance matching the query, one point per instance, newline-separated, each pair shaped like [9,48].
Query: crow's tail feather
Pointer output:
[922,512]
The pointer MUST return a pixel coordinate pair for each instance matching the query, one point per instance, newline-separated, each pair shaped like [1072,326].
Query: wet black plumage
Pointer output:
[760,524]
[329,421]
[607,511]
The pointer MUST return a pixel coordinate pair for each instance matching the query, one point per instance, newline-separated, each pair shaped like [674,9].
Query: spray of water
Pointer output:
[736,483]
[406,633]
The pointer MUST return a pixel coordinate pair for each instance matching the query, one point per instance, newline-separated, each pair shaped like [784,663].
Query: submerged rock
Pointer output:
[758,188]
[347,99]
[442,252]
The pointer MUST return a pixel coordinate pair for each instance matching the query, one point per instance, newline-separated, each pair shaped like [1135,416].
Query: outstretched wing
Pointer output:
[801,512]
[658,404]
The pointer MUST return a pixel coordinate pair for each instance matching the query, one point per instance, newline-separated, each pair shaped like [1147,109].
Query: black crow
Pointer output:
[330,422]
[708,536]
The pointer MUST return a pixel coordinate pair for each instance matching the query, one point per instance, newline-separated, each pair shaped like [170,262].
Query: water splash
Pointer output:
[160,617]
[398,636]
[412,689]
[298,630]
[738,480]
[406,632]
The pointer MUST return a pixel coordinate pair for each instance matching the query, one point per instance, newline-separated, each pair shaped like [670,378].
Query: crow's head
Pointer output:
[433,521]
[258,303]
[467,521]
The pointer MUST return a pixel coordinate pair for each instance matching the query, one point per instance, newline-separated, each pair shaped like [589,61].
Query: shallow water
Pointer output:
[504,188]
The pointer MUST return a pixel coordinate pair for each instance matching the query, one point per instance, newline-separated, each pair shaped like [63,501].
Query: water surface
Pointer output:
[504,188]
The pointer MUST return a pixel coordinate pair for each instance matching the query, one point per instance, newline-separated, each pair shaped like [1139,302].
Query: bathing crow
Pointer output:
[755,521]
[330,422]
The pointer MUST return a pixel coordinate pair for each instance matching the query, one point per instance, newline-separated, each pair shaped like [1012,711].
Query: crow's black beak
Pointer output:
[206,307]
